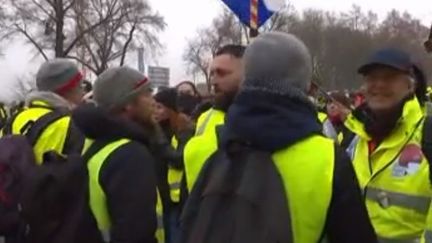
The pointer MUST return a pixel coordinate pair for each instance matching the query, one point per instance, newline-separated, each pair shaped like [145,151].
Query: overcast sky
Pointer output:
[182,23]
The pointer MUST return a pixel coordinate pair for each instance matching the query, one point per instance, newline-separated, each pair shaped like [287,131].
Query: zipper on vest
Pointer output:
[392,160]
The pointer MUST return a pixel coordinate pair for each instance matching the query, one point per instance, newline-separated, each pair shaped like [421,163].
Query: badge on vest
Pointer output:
[409,161]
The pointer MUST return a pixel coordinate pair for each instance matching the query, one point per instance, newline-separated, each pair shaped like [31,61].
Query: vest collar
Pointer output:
[412,114]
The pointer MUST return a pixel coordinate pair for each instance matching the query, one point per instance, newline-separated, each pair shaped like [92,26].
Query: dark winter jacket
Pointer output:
[168,156]
[128,176]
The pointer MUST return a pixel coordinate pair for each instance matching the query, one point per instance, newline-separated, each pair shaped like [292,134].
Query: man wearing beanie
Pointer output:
[58,83]
[390,150]
[121,166]
[275,178]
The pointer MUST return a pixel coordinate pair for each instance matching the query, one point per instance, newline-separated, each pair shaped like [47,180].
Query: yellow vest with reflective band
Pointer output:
[209,120]
[328,129]
[3,113]
[199,148]
[395,177]
[306,169]
[174,177]
[98,201]
[52,138]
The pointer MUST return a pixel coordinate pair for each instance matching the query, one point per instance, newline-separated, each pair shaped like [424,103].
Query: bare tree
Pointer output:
[132,23]
[46,24]
[338,42]
[225,29]
[197,59]
[49,25]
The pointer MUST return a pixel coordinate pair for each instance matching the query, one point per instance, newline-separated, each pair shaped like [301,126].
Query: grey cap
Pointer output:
[116,87]
[277,63]
[58,75]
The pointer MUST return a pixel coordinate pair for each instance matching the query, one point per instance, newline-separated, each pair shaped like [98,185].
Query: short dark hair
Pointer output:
[234,50]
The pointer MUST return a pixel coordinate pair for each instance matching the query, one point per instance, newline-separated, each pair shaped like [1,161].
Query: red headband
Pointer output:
[140,83]
[71,84]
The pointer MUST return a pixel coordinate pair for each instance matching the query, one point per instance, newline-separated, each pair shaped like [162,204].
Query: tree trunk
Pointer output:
[59,37]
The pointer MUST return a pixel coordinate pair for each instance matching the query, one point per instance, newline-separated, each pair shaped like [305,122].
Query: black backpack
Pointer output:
[238,197]
[43,203]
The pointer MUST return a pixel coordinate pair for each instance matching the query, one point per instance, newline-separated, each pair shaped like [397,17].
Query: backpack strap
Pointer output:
[39,126]
[75,140]
[94,148]
[426,143]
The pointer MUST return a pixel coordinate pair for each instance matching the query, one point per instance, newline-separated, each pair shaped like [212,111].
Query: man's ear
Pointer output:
[127,109]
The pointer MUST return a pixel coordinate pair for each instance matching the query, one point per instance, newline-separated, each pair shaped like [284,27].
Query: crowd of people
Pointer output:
[269,157]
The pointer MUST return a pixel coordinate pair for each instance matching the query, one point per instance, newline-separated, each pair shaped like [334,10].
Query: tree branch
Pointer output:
[126,45]
[92,55]
[44,10]
[38,47]
[83,62]
[72,3]
[83,33]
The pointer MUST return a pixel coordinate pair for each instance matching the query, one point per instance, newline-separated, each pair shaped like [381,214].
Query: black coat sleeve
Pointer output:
[162,147]
[347,219]
[129,181]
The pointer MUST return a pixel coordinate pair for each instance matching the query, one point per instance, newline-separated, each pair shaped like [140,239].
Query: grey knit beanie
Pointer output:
[277,63]
[58,75]
[116,87]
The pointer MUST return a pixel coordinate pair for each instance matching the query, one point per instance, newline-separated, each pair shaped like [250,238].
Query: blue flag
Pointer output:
[266,8]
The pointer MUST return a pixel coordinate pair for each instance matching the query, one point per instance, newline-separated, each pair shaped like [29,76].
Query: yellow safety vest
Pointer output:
[199,148]
[98,199]
[209,120]
[427,236]
[313,165]
[3,113]
[174,177]
[395,177]
[328,129]
[52,138]
[322,117]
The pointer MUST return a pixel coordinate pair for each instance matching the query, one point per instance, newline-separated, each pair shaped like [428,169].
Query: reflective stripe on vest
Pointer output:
[201,127]
[3,113]
[387,199]
[174,177]
[428,236]
[97,200]
[311,163]
[383,240]
[209,120]
[329,131]
[174,181]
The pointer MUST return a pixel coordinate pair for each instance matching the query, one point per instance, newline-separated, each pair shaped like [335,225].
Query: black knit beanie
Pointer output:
[168,98]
